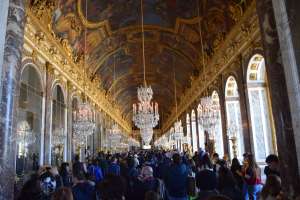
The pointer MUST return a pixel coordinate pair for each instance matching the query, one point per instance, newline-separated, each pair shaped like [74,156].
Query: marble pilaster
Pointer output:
[183,121]
[69,122]
[48,113]
[191,129]
[10,71]
[197,125]
[279,82]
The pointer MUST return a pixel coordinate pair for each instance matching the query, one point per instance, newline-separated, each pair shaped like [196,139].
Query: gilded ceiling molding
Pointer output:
[57,51]
[239,39]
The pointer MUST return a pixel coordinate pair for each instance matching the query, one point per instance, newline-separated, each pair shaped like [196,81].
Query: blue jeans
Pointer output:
[253,191]
[245,192]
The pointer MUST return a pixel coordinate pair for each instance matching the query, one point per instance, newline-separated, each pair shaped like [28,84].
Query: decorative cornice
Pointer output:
[59,54]
[239,39]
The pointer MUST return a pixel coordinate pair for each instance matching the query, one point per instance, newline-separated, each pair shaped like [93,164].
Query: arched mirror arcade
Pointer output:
[260,112]
[58,127]
[233,114]
[28,136]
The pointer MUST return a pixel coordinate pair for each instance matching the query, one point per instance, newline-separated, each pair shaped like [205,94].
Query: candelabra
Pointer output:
[232,135]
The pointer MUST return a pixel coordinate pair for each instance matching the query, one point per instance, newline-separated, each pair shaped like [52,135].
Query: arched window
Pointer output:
[29,113]
[58,136]
[194,131]
[201,130]
[233,114]
[188,129]
[219,145]
[259,108]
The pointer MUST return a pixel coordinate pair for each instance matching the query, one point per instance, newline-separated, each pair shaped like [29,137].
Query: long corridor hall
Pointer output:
[150,99]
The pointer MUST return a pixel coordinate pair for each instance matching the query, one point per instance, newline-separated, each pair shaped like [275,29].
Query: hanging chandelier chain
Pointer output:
[114,77]
[143,43]
[84,62]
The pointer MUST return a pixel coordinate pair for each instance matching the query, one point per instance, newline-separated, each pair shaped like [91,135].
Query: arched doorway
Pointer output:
[233,113]
[219,144]
[29,128]
[260,112]
[58,128]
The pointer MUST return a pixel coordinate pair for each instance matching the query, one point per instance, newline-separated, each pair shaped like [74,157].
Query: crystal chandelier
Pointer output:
[83,124]
[24,134]
[114,134]
[79,140]
[178,130]
[208,112]
[58,137]
[145,114]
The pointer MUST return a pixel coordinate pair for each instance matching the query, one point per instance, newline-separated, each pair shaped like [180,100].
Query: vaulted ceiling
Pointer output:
[113,41]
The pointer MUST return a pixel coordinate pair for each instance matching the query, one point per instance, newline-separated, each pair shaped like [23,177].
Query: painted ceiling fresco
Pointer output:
[108,32]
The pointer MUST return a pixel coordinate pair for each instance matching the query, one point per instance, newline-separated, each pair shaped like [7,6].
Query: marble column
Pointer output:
[243,105]
[223,115]
[11,55]
[288,28]
[281,79]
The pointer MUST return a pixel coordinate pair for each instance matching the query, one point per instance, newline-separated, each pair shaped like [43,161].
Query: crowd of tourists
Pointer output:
[156,175]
